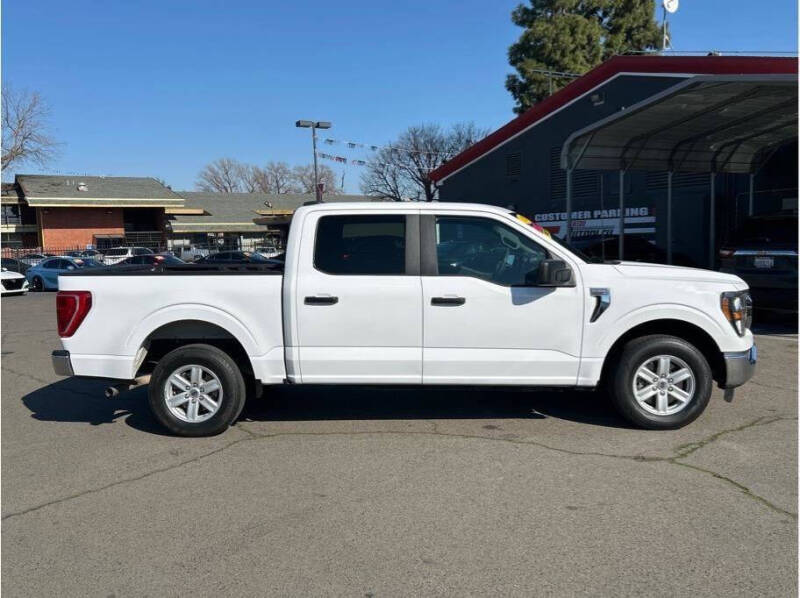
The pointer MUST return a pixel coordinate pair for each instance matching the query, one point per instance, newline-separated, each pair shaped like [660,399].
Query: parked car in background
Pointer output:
[189,254]
[93,254]
[234,257]
[12,283]
[34,258]
[636,249]
[268,251]
[152,259]
[117,254]
[44,275]
[763,252]
[86,253]
[14,265]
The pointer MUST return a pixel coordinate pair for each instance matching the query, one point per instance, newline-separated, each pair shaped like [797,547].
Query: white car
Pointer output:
[116,254]
[410,293]
[13,283]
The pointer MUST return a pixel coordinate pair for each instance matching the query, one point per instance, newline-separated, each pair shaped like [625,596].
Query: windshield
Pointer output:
[552,237]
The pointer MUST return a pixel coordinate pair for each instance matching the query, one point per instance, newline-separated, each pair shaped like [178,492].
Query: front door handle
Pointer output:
[448,301]
[321,300]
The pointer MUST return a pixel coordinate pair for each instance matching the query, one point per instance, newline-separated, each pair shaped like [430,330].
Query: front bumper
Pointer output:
[61,363]
[739,367]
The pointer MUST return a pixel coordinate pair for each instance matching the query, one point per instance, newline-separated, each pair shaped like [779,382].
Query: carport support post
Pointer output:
[711,221]
[669,217]
[750,202]
[621,214]
[569,205]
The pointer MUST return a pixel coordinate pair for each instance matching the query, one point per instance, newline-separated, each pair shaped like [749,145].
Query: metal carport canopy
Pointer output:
[707,123]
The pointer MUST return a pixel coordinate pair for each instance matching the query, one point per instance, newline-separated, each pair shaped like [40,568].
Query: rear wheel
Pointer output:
[661,382]
[197,390]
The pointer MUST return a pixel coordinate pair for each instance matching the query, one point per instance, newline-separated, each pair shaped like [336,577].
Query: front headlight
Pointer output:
[738,309]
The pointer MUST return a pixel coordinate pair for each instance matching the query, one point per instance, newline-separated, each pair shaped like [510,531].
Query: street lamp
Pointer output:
[310,124]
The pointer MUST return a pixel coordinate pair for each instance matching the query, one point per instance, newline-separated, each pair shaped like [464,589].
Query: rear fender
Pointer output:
[191,311]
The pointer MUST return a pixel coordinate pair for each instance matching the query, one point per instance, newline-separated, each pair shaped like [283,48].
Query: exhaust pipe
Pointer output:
[114,390]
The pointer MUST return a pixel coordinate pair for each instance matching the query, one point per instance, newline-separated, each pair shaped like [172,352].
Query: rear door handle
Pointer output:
[321,300]
[448,301]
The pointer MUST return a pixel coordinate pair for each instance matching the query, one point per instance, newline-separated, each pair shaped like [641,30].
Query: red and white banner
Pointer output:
[599,223]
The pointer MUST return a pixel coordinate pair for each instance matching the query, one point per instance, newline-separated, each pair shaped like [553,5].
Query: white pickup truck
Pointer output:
[409,293]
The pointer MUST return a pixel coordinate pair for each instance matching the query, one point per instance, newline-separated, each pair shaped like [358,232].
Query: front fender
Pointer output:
[721,335]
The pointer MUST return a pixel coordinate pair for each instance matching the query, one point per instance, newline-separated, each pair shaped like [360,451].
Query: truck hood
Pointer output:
[664,272]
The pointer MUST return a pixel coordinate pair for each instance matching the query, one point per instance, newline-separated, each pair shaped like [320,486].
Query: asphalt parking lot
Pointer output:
[389,492]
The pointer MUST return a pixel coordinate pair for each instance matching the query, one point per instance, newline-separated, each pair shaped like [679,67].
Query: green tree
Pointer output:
[573,36]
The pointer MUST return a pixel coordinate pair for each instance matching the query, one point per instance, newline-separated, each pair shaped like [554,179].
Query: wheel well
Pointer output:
[186,332]
[678,328]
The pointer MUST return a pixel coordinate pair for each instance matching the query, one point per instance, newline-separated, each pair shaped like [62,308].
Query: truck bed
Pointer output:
[181,270]
[133,304]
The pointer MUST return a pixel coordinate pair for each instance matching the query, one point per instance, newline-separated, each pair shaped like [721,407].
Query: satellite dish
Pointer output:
[671,6]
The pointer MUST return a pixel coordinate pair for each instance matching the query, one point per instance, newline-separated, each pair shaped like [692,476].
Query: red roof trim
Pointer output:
[700,65]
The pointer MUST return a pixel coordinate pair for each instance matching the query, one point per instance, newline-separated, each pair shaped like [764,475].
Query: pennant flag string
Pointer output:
[374,148]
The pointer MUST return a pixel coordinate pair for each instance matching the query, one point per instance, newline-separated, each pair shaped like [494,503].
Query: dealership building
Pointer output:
[56,213]
[677,151]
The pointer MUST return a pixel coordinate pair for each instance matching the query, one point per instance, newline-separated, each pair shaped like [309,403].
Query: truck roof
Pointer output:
[403,205]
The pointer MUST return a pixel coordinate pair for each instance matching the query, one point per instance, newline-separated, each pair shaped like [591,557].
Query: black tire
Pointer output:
[215,361]
[636,353]
[37,284]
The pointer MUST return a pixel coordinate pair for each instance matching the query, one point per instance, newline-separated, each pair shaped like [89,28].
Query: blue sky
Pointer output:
[159,88]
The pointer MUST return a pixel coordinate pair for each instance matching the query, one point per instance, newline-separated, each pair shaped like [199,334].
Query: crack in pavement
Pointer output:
[81,393]
[124,481]
[681,452]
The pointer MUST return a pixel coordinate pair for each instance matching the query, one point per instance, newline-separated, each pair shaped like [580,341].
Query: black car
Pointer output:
[763,252]
[152,259]
[636,249]
[13,265]
[234,257]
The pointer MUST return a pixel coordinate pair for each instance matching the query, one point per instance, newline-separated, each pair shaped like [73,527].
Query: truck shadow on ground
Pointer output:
[82,400]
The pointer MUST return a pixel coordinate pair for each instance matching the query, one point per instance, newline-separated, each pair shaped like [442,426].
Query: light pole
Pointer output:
[314,125]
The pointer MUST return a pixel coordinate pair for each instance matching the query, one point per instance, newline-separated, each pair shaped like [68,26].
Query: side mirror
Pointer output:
[554,273]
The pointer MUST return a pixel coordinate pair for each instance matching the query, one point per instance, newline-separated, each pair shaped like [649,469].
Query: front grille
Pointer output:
[13,284]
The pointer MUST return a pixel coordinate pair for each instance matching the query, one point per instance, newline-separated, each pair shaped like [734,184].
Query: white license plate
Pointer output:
[763,262]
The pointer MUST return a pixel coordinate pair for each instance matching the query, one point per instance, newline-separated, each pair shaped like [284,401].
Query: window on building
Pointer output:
[361,245]
[486,249]
[10,214]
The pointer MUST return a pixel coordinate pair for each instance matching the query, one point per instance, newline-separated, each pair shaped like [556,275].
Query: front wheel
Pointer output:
[661,382]
[37,284]
[196,390]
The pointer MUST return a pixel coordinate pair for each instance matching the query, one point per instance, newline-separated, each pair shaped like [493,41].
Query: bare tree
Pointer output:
[303,177]
[227,175]
[275,177]
[25,129]
[401,170]
[224,175]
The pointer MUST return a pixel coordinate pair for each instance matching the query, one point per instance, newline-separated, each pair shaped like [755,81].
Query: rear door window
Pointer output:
[361,244]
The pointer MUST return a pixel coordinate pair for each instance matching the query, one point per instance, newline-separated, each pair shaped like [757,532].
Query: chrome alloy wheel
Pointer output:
[663,385]
[193,393]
